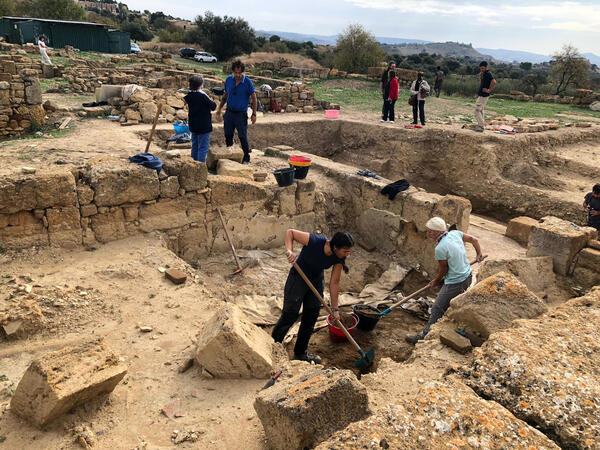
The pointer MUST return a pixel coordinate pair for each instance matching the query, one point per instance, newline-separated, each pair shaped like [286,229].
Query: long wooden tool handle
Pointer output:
[336,321]
[158,110]
[237,260]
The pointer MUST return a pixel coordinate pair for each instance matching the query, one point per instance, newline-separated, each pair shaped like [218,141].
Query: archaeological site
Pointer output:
[127,321]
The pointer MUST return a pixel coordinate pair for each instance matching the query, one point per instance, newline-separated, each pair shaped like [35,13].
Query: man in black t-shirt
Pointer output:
[486,86]
[591,203]
[438,80]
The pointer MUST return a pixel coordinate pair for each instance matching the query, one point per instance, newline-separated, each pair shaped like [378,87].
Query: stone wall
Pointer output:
[20,96]
[405,76]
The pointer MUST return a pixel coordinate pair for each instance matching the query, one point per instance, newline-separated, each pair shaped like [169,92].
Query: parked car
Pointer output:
[135,48]
[187,52]
[205,57]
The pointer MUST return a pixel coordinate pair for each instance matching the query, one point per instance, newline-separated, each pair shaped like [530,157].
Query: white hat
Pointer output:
[436,224]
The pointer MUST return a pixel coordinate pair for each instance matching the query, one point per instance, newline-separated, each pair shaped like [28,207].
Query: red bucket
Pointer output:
[336,334]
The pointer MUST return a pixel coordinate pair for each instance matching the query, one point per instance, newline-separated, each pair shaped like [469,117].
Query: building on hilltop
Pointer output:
[85,36]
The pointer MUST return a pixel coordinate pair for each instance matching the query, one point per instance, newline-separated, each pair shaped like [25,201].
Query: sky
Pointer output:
[530,25]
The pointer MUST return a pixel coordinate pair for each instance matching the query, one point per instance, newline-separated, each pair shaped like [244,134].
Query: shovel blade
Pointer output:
[366,360]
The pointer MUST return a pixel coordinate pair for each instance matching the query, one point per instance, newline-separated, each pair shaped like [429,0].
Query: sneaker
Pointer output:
[308,357]
[413,338]
[478,129]
[391,121]
[382,120]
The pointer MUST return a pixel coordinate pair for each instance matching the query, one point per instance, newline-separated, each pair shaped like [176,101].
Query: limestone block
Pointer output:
[492,304]
[379,228]
[449,337]
[141,96]
[287,200]
[132,115]
[44,189]
[64,226]
[58,381]
[88,210]
[163,215]
[306,409]
[130,212]
[22,230]
[537,272]
[545,370]
[166,109]
[33,93]
[418,208]
[587,268]
[558,238]
[442,414]
[175,102]
[230,190]
[230,346]
[116,182]
[192,174]
[169,188]
[109,226]
[181,114]
[196,206]
[519,229]
[234,169]
[455,211]
[233,153]
[305,196]
[148,111]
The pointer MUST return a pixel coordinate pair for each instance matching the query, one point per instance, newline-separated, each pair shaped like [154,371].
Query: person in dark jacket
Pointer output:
[199,119]
[419,90]
[390,96]
[591,204]
[318,254]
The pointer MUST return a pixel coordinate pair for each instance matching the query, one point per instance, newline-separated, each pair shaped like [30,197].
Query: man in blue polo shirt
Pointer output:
[238,91]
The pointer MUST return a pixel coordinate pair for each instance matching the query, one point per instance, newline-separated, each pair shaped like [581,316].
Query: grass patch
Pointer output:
[44,129]
[190,64]
[358,94]
[46,83]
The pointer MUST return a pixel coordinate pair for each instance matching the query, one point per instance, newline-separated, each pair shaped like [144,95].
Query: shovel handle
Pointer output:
[158,110]
[328,309]
[405,299]
[237,260]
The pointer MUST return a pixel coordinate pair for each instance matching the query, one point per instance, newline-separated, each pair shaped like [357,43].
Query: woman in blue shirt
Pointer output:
[318,254]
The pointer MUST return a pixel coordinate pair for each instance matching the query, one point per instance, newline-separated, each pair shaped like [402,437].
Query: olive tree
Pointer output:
[356,50]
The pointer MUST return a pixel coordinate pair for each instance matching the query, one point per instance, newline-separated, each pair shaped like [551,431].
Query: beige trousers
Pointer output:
[480,110]
[45,57]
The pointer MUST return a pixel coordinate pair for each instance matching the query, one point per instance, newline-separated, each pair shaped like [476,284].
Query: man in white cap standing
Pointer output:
[454,269]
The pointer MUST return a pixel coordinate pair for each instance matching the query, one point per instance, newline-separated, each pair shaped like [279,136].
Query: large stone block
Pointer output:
[33,93]
[148,111]
[163,215]
[192,174]
[545,371]
[230,346]
[493,304]
[231,168]
[305,196]
[22,230]
[380,228]
[306,409]
[537,272]
[58,381]
[286,196]
[587,268]
[64,226]
[455,211]
[116,182]
[418,208]
[560,239]
[230,190]
[234,153]
[44,189]
[109,226]
[519,229]
[169,187]
[441,415]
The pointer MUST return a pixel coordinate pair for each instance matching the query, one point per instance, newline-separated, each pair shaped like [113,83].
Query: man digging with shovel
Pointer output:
[454,268]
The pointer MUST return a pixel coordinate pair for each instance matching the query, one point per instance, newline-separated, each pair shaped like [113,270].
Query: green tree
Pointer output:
[569,68]
[137,31]
[356,50]
[7,7]
[58,9]
[534,79]
[225,37]
[274,38]
[526,66]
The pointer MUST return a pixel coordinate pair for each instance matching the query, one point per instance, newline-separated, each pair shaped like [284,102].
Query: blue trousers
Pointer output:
[200,143]
[234,120]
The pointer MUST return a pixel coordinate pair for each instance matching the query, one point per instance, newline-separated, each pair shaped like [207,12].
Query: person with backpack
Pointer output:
[199,119]
[419,90]
[390,96]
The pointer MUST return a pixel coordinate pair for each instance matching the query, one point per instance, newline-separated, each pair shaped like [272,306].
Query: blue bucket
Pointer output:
[181,127]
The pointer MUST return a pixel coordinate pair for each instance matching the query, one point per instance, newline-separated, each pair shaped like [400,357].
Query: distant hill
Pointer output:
[329,40]
[515,55]
[440,48]
[594,59]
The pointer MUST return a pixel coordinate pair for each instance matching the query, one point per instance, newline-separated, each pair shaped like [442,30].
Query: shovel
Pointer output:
[368,357]
[237,260]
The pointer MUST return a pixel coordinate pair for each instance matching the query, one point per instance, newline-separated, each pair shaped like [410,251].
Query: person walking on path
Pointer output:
[454,268]
[438,80]
[419,90]
[487,83]
[318,254]
[390,96]
[44,50]
[238,92]
[591,203]
[199,107]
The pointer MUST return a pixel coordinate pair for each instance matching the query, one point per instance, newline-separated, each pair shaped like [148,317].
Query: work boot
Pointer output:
[308,357]
[413,338]
[246,159]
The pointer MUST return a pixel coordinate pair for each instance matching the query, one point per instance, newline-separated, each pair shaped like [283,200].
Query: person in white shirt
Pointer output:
[419,90]
[44,50]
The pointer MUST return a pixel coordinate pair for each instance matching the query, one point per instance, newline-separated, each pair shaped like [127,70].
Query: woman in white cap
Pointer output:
[454,268]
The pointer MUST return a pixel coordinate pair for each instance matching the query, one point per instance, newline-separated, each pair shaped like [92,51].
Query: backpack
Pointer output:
[274,105]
